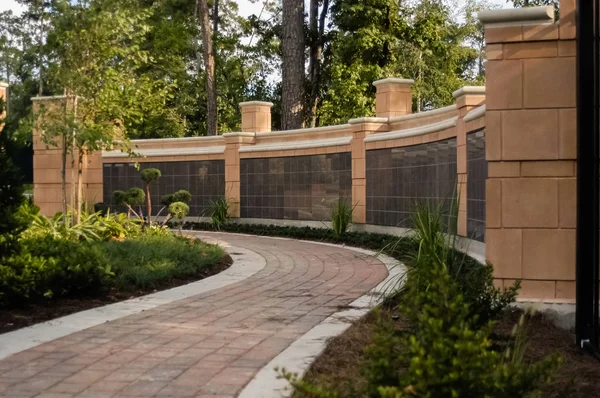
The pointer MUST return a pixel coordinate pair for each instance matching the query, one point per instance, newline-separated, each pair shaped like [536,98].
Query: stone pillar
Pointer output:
[233,142]
[256,116]
[394,97]
[531,150]
[360,129]
[466,99]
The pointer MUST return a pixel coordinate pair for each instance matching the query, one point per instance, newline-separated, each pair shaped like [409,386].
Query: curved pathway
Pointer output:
[207,345]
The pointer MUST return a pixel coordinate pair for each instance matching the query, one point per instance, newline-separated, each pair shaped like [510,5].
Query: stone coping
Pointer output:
[306,144]
[412,132]
[393,80]
[210,150]
[433,112]
[3,84]
[245,264]
[368,120]
[469,90]
[517,16]
[50,97]
[475,114]
[179,139]
[256,103]
[285,133]
[300,355]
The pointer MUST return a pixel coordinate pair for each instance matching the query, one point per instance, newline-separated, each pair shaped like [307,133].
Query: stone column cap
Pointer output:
[3,84]
[517,16]
[469,90]
[393,80]
[256,103]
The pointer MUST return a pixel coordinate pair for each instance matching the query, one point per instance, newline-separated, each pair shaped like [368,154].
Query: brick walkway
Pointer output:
[209,345]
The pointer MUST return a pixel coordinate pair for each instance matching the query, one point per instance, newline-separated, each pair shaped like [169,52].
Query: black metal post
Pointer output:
[588,174]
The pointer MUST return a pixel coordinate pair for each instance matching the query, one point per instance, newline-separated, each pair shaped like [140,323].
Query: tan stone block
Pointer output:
[567,202]
[503,34]
[358,168]
[504,169]
[381,103]
[462,194]
[567,48]
[549,83]
[530,134]
[359,215]
[493,203]
[537,289]
[499,283]
[549,254]
[567,134]
[494,51]
[504,84]
[232,173]
[493,135]
[461,159]
[568,24]
[540,49]
[357,148]
[503,251]
[565,290]
[93,176]
[359,195]
[461,229]
[540,32]
[556,168]
[529,203]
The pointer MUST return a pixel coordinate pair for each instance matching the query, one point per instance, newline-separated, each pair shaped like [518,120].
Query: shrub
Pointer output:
[133,197]
[149,176]
[50,267]
[179,211]
[341,217]
[218,212]
[180,196]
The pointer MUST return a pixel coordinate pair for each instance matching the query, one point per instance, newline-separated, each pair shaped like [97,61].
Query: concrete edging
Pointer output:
[300,355]
[245,264]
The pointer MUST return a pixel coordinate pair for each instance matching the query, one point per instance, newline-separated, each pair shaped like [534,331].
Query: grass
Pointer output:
[146,261]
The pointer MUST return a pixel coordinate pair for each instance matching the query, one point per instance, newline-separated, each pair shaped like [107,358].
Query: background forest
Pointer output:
[201,58]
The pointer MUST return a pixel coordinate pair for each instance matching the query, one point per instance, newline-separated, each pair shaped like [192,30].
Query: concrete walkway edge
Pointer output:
[245,264]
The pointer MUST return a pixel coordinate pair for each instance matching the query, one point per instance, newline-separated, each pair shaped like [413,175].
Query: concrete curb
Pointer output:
[245,264]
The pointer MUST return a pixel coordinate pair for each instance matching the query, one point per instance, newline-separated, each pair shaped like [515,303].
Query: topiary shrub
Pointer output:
[149,176]
[179,211]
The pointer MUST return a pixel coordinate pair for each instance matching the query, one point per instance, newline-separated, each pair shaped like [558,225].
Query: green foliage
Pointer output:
[157,256]
[179,196]
[218,211]
[93,227]
[135,197]
[150,175]
[341,217]
[179,210]
[50,267]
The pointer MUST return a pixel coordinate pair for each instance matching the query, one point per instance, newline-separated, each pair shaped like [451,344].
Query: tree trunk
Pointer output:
[63,175]
[292,43]
[148,203]
[209,67]
[40,53]
[216,18]
[79,194]
[317,32]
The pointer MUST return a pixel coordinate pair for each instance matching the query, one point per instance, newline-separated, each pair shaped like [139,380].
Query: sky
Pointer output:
[246,7]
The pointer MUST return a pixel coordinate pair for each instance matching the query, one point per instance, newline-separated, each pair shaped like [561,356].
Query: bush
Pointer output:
[180,196]
[48,267]
[341,217]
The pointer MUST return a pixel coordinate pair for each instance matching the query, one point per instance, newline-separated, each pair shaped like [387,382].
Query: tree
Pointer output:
[97,48]
[292,45]
[317,42]
[209,66]
[149,176]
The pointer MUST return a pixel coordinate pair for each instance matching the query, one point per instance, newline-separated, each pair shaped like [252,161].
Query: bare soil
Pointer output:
[339,367]
[17,318]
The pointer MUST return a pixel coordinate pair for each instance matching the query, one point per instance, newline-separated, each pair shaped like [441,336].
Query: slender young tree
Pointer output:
[209,66]
[292,46]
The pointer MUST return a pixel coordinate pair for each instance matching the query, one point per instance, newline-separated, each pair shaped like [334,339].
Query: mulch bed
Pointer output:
[339,367]
[16,318]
